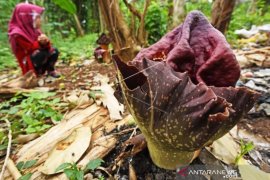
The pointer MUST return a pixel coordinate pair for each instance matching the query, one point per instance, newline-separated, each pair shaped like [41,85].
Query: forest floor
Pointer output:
[253,127]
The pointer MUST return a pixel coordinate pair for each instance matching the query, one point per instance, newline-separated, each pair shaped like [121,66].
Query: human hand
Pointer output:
[43,39]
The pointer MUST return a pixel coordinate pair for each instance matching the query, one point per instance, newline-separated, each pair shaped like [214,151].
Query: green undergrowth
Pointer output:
[71,49]
[29,113]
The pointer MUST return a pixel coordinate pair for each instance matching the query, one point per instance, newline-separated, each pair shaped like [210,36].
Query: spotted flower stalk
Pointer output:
[181,91]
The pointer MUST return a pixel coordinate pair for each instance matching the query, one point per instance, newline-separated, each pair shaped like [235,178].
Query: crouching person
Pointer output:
[31,47]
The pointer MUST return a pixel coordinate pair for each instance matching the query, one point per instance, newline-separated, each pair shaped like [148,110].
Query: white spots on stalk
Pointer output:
[189,124]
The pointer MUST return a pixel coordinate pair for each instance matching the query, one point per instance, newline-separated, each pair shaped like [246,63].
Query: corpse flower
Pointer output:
[181,91]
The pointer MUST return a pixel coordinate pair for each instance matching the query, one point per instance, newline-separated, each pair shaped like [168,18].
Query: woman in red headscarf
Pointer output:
[31,47]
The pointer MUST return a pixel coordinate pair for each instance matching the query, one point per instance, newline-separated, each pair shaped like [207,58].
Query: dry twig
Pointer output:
[8,148]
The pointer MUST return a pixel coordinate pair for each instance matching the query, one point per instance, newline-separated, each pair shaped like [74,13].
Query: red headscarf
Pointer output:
[22,23]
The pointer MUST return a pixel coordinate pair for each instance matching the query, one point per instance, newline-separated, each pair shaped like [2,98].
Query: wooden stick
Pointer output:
[15,173]
[6,91]
[8,148]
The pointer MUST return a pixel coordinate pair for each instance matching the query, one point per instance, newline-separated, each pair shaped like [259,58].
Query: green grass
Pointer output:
[7,60]
[241,17]
[71,49]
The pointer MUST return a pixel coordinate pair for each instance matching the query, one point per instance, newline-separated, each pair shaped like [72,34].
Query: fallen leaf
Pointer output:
[28,80]
[45,143]
[225,149]
[68,151]
[101,148]
[132,173]
[250,172]
[22,139]
[79,98]
[258,141]
[101,78]
[73,98]
[109,100]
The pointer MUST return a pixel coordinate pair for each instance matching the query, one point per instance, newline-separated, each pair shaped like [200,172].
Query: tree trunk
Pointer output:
[123,44]
[78,25]
[178,12]
[141,31]
[221,14]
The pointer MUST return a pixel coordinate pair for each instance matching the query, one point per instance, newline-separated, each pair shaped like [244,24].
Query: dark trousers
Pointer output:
[43,60]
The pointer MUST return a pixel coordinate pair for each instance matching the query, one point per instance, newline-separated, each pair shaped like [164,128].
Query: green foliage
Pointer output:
[93,164]
[74,173]
[245,148]
[26,176]
[24,165]
[71,171]
[7,60]
[201,5]
[67,5]
[242,18]
[156,21]
[6,8]
[29,113]
[75,49]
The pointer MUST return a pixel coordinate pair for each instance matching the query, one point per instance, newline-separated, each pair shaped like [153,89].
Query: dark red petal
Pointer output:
[198,48]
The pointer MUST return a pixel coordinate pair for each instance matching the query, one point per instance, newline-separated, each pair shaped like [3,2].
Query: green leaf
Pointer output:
[39,95]
[13,110]
[29,164]
[70,173]
[20,165]
[93,164]
[249,146]
[45,126]
[57,117]
[3,147]
[26,176]
[67,5]
[56,100]
[27,119]
[30,130]
[63,166]
[79,175]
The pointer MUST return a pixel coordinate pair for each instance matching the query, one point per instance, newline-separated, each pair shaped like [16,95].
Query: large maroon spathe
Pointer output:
[186,100]
[198,48]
